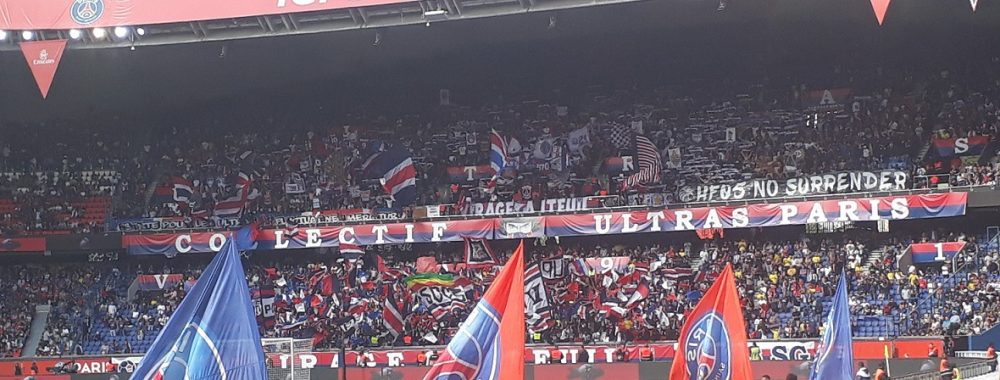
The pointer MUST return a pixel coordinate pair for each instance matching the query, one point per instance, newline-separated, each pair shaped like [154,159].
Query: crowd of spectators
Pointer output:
[295,160]
[785,287]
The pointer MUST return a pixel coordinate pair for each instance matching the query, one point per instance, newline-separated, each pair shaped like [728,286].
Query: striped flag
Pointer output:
[498,153]
[396,172]
[650,165]
[391,315]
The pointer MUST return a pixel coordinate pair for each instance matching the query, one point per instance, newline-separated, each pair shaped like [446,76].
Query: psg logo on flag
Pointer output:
[193,355]
[706,349]
[474,352]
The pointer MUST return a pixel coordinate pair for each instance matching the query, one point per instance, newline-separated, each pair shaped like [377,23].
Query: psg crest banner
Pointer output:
[68,14]
[655,220]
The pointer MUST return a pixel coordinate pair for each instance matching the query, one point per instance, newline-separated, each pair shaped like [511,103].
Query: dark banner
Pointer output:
[278,220]
[84,242]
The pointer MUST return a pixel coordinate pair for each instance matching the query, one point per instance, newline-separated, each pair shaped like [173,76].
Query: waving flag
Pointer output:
[395,170]
[713,340]
[835,354]
[213,334]
[478,253]
[490,343]
[929,253]
[536,300]
[175,190]
[391,316]
[498,153]
[650,165]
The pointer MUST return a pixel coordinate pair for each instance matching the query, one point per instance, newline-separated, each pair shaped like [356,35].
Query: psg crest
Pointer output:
[194,354]
[85,12]
[475,351]
[707,350]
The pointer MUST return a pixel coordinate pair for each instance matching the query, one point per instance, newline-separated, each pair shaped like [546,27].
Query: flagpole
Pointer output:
[343,360]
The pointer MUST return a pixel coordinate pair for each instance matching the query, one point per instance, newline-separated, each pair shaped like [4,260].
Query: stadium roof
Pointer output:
[469,44]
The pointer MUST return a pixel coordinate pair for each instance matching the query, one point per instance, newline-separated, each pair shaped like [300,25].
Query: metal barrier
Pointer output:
[971,354]
[967,371]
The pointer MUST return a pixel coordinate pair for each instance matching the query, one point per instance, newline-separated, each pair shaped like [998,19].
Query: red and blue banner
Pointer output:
[618,165]
[962,146]
[929,253]
[153,282]
[654,220]
[23,245]
[490,343]
[713,339]
[463,174]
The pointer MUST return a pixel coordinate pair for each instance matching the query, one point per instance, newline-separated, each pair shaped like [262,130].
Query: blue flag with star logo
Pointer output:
[213,333]
[835,354]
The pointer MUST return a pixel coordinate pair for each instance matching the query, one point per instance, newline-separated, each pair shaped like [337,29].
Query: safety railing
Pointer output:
[967,371]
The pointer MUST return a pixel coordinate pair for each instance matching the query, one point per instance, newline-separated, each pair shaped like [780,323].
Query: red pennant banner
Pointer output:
[43,59]
[880,7]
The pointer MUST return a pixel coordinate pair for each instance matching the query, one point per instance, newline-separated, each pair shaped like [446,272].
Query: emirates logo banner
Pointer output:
[43,59]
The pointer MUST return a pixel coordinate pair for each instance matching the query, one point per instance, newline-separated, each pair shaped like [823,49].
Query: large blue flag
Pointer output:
[213,334]
[835,355]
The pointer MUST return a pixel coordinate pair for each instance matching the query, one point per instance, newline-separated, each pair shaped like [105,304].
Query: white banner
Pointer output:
[578,139]
[510,208]
[843,182]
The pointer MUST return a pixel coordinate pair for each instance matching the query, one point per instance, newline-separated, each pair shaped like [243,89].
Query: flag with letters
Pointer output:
[537,308]
[213,334]
[490,343]
[835,354]
[478,253]
[649,163]
[713,340]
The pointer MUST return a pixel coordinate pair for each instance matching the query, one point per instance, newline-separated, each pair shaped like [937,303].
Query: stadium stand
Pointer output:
[330,297]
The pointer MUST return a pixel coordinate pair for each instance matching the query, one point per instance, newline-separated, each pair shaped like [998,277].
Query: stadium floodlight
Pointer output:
[75,34]
[100,33]
[140,31]
[3,35]
[27,35]
[121,31]
[437,15]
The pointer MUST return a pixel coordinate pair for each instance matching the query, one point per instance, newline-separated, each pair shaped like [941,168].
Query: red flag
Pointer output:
[427,264]
[43,59]
[880,7]
[490,343]
[713,341]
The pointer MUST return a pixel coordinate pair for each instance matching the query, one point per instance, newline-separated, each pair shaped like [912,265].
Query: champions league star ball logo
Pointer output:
[85,12]
[706,351]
